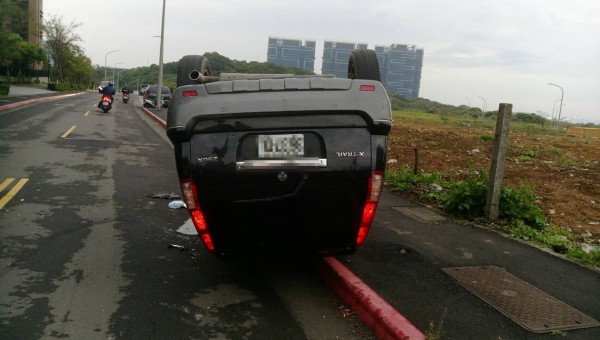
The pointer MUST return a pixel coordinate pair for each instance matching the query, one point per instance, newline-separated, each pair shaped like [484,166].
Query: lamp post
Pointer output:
[553,109]
[562,95]
[484,107]
[160,59]
[113,72]
[105,57]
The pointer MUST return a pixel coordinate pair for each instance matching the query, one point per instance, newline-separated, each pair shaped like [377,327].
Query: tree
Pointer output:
[66,57]
[16,54]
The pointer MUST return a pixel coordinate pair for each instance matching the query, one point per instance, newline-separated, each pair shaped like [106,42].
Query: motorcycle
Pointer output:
[125,97]
[105,104]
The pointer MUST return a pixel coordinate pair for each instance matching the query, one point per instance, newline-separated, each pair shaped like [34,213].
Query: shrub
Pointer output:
[4,89]
[467,196]
[519,205]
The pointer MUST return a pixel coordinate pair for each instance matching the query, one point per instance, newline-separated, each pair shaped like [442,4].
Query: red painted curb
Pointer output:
[35,100]
[374,311]
[156,118]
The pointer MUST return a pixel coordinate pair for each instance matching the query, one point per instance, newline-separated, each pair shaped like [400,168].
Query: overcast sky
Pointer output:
[504,51]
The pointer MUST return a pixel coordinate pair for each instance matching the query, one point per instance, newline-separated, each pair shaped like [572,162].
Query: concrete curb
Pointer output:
[373,310]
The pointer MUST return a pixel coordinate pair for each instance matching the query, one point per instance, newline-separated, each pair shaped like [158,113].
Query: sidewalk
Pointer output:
[18,91]
[25,95]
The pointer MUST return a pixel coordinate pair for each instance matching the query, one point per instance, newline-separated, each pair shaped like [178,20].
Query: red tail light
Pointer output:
[190,197]
[191,93]
[105,98]
[375,188]
[368,88]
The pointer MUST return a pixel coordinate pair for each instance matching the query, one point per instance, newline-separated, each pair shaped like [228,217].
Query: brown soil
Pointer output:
[564,171]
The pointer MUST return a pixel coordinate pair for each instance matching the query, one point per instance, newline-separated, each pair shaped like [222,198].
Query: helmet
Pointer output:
[110,83]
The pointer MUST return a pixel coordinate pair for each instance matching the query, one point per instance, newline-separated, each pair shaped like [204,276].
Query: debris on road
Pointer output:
[346,311]
[188,228]
[176,246]
[164,195]
[177,204]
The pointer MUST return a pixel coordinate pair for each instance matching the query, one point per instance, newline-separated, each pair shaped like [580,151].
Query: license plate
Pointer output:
[280,146]
[105,103]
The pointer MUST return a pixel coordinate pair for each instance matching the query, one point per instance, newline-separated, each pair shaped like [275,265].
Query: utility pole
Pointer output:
[560,107]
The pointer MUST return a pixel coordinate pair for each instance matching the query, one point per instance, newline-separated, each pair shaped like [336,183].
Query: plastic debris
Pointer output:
[188,228]
[176,246]
[176,204]
[164,195]
[345,311]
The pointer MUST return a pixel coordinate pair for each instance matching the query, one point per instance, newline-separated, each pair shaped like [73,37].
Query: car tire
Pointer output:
[190,63]
[363,64]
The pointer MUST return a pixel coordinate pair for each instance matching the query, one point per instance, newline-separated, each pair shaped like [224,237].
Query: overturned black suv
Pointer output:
[279,164]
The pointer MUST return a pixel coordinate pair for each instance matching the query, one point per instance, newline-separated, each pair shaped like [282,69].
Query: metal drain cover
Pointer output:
[421,214]
[526,305]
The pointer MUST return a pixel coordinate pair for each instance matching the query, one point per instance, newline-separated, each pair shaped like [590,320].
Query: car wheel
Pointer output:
[190,63]
[363,64]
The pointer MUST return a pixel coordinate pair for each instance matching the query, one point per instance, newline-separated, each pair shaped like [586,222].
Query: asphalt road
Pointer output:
[85,251]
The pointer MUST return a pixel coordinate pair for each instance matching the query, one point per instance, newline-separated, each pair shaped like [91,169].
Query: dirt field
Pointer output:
[565,171]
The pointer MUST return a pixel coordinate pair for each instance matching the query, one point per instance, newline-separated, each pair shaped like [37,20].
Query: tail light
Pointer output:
[190,197]
[105,98]
[370,207]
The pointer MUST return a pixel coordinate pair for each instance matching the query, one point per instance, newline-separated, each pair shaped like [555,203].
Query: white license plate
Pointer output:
[105,103]
[280,146]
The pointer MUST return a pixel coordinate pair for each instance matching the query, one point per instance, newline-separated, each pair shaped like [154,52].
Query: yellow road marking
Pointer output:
[86,113]
[6,183]
[12,191]
[68,132]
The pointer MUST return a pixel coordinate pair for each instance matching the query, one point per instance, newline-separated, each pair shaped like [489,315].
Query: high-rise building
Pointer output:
[27,23]
[292,53]
[401,67]
[336,56]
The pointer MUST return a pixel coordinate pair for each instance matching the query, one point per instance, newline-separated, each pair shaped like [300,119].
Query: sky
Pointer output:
[475,51]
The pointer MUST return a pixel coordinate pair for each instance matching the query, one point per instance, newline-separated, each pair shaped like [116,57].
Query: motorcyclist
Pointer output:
[109,91]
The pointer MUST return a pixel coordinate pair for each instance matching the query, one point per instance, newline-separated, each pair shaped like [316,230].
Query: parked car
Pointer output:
[143,89]
[150,96]
[102,85]
[280,165]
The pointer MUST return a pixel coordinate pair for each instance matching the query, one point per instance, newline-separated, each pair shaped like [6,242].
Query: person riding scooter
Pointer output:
[109,91]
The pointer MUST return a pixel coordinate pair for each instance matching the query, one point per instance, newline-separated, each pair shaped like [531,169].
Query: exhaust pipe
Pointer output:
[200,78]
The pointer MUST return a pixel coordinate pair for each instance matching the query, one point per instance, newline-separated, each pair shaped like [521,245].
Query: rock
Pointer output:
[436,187]
[588,248]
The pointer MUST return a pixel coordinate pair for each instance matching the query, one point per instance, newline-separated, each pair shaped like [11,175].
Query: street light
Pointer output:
[562,95]
[553,107]
[160,59]
[105,56]
[484,107]
[113,72]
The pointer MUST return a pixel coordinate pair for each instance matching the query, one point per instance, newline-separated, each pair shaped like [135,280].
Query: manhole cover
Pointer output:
[526,305]
[421,214]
